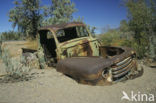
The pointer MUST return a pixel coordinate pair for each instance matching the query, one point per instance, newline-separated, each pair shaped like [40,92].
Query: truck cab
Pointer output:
[67,40]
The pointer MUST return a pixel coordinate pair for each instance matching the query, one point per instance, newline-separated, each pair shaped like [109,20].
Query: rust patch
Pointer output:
[87,48]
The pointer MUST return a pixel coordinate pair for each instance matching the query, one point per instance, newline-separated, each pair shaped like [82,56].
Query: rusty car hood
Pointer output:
[81,66]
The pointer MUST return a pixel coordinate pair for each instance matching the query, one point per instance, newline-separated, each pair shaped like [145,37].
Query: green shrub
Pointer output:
[16,68]
[41,58]
[11,35]
[114,38]
[111,38]
[0,48]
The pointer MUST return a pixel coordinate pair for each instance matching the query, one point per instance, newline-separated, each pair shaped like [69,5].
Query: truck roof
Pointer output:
[61,26]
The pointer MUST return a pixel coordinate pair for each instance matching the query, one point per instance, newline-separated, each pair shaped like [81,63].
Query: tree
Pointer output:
[59,12]
[152,30]
[26,16]
[141,20]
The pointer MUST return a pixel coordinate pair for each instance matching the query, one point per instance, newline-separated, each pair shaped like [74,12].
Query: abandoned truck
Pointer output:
[78,55]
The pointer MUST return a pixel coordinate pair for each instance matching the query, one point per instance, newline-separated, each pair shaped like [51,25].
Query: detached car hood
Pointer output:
[82,66]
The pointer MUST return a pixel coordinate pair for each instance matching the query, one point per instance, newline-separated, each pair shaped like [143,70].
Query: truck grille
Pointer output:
[121,69]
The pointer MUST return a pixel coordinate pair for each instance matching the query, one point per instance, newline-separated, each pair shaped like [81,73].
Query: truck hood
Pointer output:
[83,66]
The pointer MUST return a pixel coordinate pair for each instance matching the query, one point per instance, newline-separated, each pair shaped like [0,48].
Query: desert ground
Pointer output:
[50,86]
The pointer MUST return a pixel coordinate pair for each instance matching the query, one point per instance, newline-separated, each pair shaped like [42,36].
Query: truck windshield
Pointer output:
[71,33]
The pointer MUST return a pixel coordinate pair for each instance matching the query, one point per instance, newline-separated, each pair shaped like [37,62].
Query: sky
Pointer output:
[98,13]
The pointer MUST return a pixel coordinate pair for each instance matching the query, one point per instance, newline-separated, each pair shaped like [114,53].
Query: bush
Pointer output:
[11,35]
[111,38]
[0,49]
[16,68]
[41,58]
[115,38]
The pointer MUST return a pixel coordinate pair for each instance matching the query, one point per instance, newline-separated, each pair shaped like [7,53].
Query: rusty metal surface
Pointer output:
[61,26]
[81,47]
[90,68]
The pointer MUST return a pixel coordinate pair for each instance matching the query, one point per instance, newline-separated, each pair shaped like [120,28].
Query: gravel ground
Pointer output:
[49,86]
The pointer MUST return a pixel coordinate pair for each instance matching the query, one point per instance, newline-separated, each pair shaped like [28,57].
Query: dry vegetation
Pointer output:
[18,65]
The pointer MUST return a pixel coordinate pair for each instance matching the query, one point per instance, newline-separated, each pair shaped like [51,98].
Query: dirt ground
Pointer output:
[50,86]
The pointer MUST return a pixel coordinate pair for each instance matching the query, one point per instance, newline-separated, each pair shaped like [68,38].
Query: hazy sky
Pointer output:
[98,13]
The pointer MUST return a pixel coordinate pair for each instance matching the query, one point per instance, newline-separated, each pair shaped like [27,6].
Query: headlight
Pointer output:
[105,73]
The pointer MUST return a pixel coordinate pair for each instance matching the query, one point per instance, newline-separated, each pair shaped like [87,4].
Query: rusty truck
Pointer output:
[77,54]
